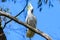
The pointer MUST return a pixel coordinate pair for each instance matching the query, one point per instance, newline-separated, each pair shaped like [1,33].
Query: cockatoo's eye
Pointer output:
[32,11]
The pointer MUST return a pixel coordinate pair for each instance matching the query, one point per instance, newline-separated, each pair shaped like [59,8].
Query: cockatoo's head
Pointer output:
[29,7]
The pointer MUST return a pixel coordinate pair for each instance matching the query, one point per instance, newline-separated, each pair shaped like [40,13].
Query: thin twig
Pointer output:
[17,14]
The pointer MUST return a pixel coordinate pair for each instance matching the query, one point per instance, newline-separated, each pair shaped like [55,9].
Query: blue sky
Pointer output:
[48,20]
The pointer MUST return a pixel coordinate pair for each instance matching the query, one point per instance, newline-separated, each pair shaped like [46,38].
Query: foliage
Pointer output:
[45,1]
[3,0]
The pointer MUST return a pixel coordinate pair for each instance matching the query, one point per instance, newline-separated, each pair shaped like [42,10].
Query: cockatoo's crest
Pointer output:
[29,7]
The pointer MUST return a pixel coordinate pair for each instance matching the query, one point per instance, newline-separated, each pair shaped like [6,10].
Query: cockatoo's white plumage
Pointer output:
[30,20]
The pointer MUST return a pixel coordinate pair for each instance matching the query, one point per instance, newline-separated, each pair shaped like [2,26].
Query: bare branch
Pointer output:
[26,25]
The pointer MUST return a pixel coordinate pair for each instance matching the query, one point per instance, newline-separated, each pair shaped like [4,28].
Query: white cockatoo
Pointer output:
[30,20]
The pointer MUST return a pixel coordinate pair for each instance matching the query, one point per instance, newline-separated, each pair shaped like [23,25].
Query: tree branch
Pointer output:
[26,25]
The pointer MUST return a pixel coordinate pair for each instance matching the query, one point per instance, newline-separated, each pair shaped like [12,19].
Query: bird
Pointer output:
[30,20]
